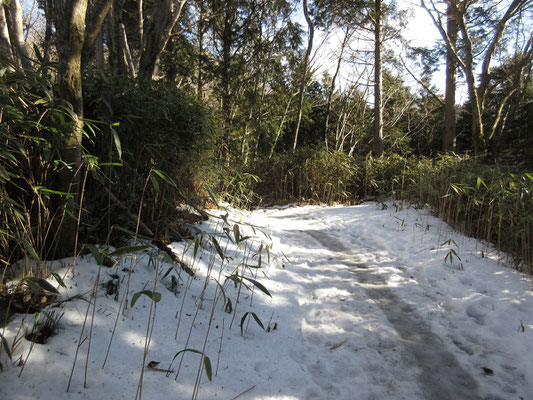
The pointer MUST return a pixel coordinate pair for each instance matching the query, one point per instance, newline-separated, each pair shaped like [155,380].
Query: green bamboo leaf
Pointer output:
[51,191]
[33,287]
[96,253]
[258,320]
[59,279]
[36,317]
[258,285]
[155,183]
[155,296]
[129,250]
[188,247]
[218,248]
[242,321]
[165,177]
[212,196]
[38,54]
[30,249]
[4,174]
[166,273]
[234,278]
[167,257]
[207,361]
[6,346]
[186,350]
[117,142]
[228,308]
[236,233]
[227,233]
[196,246]
[208,369]
[40,284]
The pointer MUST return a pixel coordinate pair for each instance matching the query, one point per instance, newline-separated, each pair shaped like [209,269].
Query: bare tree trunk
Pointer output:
[120,57]
[331,90]
[448,139]
[303,80]
[378,84]
[280,127]
[16,33]
[97,12]
[477,113]
[199,75]
[117,53]
[227,106]
[5,43]
[140,29]
[164,17]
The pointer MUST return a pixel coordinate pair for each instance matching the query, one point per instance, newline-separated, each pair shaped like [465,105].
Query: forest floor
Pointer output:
[376,301]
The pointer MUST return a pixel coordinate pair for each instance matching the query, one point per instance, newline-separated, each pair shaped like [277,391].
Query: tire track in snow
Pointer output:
[441,377]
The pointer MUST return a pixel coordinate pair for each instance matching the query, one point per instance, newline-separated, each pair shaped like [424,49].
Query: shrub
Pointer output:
[31,126]
[165,142]
[490,202]
[308,174]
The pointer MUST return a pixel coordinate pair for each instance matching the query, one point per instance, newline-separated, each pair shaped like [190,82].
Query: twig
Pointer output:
[163,247]
[220,347]
[243,393]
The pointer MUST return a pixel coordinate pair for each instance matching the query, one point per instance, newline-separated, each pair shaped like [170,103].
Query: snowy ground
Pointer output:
[367,303]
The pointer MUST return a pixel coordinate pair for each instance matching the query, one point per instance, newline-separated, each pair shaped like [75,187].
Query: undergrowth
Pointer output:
[492,202]
[143,153]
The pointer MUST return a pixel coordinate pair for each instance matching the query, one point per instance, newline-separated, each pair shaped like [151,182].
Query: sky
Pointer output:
[419,31]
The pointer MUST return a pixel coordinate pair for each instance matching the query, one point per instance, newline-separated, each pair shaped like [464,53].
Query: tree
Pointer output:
[119,53]
[305,67]
[377,148]
[155,33]
[478,23]
[5,43]
[14,15]
[73,35]
[448,138]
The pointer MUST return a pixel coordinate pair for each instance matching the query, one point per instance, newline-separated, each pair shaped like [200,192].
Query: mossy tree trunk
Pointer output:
[75,34]
[70,29]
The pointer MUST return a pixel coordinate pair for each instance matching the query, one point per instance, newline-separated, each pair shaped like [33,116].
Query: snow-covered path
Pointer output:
[407,324]
[440,374]
[368,302]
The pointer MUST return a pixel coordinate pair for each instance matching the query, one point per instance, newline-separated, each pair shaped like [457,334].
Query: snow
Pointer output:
[376,301]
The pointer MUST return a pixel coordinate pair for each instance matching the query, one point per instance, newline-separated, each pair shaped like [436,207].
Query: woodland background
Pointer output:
[113,112]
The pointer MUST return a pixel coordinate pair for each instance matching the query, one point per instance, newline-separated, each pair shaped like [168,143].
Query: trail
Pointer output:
[441,376]
[363,303]
[386,317]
